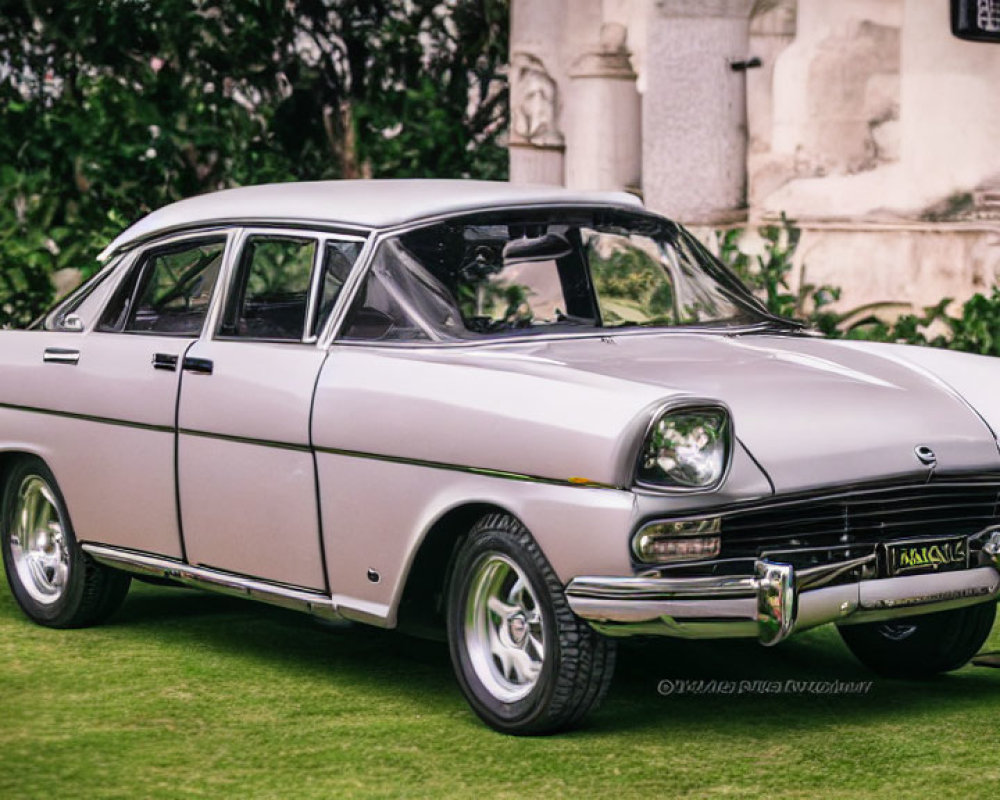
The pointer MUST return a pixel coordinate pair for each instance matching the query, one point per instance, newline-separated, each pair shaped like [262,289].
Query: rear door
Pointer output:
[246,472]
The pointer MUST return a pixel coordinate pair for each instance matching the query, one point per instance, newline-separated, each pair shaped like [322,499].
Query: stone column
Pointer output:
[535,144]
[770,32]
[604,148]
[694,137]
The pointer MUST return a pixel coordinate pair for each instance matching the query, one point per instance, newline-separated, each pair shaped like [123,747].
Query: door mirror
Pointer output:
[976,20]
[71,323]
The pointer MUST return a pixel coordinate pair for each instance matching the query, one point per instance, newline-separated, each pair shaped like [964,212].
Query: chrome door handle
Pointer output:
[203,366]
[60,355]
[166,361]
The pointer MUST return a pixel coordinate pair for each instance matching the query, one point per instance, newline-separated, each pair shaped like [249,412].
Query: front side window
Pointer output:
[499,275]
[169,292]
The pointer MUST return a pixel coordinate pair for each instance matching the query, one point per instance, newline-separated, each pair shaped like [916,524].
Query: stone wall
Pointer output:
[864,120]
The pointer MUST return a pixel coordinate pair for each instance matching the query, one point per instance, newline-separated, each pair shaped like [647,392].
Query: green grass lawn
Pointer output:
[185,694]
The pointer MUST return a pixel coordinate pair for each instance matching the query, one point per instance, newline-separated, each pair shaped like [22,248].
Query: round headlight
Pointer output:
[686,448]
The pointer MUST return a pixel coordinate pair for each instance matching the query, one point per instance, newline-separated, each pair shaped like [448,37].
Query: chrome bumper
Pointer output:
[776,601]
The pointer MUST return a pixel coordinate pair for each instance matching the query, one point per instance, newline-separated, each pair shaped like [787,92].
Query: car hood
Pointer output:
[812,412]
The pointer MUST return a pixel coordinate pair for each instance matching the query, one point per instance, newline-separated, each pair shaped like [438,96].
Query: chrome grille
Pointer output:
[838,526]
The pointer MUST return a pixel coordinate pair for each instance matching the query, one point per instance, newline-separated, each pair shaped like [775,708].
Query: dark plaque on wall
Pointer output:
[976,20]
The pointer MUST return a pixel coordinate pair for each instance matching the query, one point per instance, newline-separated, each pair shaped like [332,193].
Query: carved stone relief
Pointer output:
[534,103]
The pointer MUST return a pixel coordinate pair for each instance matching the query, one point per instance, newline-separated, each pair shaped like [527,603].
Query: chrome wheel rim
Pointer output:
[504,630]
[38,542]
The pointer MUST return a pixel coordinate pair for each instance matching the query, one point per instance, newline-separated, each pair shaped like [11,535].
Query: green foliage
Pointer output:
[976,330]
[768,275]
[111,108]
[631,286]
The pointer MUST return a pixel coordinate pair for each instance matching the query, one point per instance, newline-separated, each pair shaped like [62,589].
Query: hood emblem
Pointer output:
[925,455]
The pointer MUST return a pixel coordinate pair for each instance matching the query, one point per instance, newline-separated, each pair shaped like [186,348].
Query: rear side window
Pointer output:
[169,292]
[270,296]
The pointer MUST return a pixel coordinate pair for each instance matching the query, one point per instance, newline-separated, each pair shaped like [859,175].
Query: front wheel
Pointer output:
[921,646]
[54,582]
[525,662]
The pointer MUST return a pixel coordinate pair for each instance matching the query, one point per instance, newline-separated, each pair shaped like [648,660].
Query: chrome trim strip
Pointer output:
[578,483]
[88,418]
[224,223]
[220,292]
[296,598]
[593,333]
[312,299]
[225,437]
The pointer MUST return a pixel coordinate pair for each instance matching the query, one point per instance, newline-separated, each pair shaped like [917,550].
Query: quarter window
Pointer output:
[338,258]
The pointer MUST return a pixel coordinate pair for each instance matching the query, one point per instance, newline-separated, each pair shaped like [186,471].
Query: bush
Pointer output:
[768,273]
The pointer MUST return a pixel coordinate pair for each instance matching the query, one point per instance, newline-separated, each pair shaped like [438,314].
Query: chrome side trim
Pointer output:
[579,483]
[88,418]
[225,437]
[298,599]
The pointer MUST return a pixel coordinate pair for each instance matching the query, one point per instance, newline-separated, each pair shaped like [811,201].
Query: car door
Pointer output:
[99,405]
[246,471]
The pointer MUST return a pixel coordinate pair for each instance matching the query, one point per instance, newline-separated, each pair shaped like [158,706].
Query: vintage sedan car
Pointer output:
[532,419]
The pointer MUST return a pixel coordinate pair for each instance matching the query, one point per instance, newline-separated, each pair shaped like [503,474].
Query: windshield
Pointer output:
[500,276]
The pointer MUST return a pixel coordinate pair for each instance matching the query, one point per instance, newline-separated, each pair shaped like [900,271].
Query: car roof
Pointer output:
[352,203]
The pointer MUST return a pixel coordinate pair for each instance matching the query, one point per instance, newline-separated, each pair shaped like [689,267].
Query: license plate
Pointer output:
[921,556]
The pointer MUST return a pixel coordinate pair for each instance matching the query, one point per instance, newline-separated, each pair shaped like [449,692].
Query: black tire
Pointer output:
[54,581]
[921,646]
[560,668]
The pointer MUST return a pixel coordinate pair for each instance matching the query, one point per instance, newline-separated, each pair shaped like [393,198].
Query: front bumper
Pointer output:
[777,600]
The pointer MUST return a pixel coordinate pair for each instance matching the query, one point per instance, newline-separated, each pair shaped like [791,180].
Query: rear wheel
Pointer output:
[921,646]
[525,662]
[54,582]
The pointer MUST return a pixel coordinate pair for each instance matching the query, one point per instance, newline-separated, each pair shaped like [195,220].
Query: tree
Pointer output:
[110,108]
